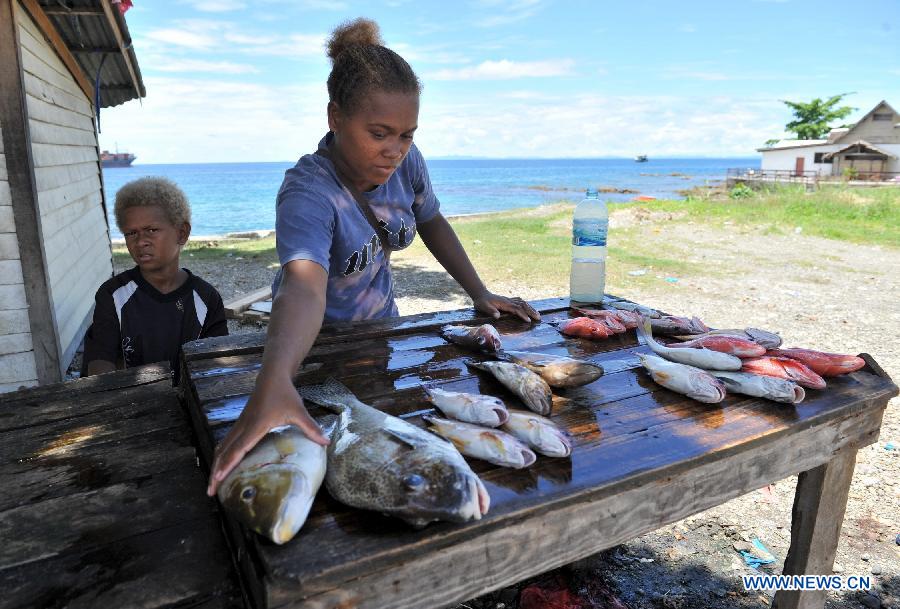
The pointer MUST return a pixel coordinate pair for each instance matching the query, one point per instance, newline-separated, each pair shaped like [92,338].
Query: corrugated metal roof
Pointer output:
[91,38]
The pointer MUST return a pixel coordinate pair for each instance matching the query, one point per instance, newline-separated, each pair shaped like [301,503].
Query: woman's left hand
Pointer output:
[493,305]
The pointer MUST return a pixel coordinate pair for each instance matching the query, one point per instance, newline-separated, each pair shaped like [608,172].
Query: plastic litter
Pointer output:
[672,279]
[755,553]
[889,446]
[638,273]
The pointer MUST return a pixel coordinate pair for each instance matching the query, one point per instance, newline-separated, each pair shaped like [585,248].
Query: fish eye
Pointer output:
[248,493]
[413,482]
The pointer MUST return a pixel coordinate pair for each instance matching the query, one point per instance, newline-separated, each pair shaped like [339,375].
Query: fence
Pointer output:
[811,179]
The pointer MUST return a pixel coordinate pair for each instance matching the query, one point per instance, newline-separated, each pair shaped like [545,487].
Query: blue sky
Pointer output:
[244,80]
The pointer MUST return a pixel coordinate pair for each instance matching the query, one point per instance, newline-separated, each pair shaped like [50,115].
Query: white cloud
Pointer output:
[218,6]
[506,69]
[688,28]
[198,65]
[223,36]
[182,38]
[504,12]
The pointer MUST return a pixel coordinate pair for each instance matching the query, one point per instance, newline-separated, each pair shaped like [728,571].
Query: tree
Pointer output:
[812,119]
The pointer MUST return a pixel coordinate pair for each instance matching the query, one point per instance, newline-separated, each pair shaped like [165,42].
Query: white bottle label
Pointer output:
[589,231]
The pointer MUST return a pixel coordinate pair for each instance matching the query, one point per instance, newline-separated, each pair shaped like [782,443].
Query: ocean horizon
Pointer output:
[239,197]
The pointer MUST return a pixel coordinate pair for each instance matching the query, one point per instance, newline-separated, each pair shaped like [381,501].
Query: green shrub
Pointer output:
[741,191]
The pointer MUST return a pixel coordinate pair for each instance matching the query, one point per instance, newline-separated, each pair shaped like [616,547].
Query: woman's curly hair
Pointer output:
[361,62]
[156,191]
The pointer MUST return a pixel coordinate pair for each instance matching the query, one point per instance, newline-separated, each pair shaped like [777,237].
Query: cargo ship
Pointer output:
[116,159]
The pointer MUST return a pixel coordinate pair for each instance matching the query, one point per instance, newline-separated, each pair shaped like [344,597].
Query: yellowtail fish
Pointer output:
[490,445]
[381,462]
[540,433]
[532,389]
[693,382]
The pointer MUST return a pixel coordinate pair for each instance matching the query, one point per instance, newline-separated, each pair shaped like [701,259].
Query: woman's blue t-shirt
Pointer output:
[318,219]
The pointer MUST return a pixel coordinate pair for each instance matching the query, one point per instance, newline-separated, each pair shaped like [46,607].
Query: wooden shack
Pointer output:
[59,63]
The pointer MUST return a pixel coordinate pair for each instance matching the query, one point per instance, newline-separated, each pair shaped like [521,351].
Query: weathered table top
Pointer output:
[643,457]
[103,504]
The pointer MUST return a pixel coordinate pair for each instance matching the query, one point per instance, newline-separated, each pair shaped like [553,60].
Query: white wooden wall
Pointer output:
[67,176]
[17,367]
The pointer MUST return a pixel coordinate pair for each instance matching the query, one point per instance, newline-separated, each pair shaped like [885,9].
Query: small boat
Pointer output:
[641,158]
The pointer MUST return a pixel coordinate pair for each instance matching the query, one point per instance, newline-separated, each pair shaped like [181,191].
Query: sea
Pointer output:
[237,197]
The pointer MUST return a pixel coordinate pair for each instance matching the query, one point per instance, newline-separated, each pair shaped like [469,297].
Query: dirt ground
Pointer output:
[816,293]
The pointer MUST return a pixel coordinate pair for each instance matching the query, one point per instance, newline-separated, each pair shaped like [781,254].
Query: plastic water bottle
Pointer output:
[589,225]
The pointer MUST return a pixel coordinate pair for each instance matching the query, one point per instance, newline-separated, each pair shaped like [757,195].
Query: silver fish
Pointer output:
[672,324]
[701,358]
[484,338]
[533,390]
[540,433]
[380,462]
[490,445]
[559,371]
[631,306]
[756,385]
[693,382]
[469,407]
[764,338]
[272,489]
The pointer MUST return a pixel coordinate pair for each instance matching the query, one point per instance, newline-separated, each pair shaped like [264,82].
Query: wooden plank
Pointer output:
[17,366]
[64,102]
[56,42]
[15,343]
[5,196]
[236,306]
[18,385]
[56,199]
[100,383]
[338,332]
[47,133]
[10,274]
[13,297]
[185,565]
[559,534]
[38,60]
[819,504]
[51,155]
[50,114]
[7,221]
[20,167]
[13,321]
[56,177]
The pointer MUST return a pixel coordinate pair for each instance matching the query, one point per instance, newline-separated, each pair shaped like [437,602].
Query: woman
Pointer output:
[340,212]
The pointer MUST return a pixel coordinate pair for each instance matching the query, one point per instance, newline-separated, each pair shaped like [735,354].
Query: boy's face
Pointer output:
[152,240]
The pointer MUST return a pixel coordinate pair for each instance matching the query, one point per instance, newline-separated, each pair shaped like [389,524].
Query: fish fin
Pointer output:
[403,437]
[329,424]
[662,376]
[331,394]
[729,383]
[479,365]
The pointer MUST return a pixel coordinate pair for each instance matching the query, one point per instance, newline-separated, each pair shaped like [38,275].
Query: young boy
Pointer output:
[145,314]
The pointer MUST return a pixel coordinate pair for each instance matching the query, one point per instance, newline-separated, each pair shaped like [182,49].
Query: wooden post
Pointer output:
[819,504]
[20,168]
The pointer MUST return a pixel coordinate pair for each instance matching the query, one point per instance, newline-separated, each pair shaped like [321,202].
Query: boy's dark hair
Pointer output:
[361,62]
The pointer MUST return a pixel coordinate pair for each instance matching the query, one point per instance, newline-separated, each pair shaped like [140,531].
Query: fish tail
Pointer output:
[645,330]
[331,394]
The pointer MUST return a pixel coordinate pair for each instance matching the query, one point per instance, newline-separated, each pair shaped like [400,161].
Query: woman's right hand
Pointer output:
[272,404]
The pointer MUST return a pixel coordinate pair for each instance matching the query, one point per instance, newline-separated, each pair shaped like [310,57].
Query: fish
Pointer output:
[380,462]
[483,338]
[272,489]
[540,433]
[786,368]
[769,387]
[608,318]
[584,327]
[693,382]
[490,445]
[531,388]
[823,364]
[672,324]
[700,358]
[559,371]
[767,339]
[734,345]
[624,305]
[469,407]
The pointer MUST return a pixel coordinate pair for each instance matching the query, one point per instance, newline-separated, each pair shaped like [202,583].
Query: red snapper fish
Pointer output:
[725,344]
[615,321]
[584,327]
[823,364]
[483,338]
[785,368]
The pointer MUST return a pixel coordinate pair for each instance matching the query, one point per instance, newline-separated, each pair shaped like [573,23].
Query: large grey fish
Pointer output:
[759,386]
[690,381]
[272,489]
[469,407]
[490,445]
[533,390]
[764,338]
[559,371]
[379,462]
[540,433]
[700,358]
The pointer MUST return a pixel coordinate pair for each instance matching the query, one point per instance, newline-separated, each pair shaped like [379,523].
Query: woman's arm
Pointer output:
[442,242]
[297,313]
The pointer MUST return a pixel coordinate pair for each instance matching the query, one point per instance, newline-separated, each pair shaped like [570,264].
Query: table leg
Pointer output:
[819,504]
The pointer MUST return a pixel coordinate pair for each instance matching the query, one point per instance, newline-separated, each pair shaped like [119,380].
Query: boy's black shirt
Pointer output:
[135,324]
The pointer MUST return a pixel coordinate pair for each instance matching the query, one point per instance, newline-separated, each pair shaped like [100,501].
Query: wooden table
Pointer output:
[643,457]
[103,502]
